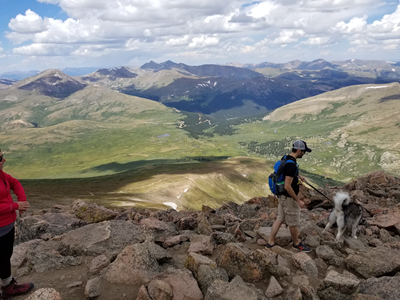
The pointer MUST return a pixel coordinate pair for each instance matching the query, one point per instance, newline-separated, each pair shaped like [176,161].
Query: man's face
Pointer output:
[301,153]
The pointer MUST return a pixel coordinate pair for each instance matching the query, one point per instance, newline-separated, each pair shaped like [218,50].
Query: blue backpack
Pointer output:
[276,180]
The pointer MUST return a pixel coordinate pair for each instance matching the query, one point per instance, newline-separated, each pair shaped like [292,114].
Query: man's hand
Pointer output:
[301,203]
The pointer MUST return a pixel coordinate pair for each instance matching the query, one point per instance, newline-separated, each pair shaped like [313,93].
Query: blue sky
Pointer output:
[43,34]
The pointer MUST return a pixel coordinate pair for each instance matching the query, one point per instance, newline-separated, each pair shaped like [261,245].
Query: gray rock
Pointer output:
[305,263]
[136,263]
[143,294]
[205,270]
[207,275]
[182,283]
[93,288]
[235,259]
[159,290]
[44,261]
[98,263]
[100,238]
[354,244]
[50,224]
[92,213]
[274,288]
[160,227]
[45,294]
[222,238]
[312,240]
[343,284]
[375,262]
[384,287]
[283,238]
[201,244]
[234,290]
[329,256]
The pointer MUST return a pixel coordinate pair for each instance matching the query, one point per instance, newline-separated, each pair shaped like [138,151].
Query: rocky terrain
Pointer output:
[85,251]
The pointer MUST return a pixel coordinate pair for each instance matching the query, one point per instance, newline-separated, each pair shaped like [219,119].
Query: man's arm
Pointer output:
[289,190]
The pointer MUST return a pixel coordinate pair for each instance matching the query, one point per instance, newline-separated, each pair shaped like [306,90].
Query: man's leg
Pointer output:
[274,231]
[294,231]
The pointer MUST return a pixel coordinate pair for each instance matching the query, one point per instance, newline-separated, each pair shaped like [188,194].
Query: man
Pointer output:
[289,203]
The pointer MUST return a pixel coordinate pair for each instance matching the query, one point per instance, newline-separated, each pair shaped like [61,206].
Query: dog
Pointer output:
[345,214]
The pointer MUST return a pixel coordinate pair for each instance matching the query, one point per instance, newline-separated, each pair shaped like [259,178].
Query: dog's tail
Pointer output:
[341,198]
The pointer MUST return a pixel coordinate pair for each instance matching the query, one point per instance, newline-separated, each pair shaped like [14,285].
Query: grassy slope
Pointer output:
[112,148]
[350,130]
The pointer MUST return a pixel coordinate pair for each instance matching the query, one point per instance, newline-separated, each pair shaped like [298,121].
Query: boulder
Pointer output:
[201,244]
[305,263]
[159,290]
[234,290]
[205,270]
[159,226]
[45,294]
[106,237]
[283,238]
[375,262]
[92,213]
[274,288]
[93,288]
[98,263]
[52,224]
[235,259]
[182,284]
[143,294]
[384,287]
[136,264]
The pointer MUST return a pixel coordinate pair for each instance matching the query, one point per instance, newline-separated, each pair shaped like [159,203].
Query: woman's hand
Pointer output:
[23,207]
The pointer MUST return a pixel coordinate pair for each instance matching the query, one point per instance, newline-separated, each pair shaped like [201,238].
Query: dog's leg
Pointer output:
[354,230]
[341,227]
[327,226]
[331,221]
[354,227]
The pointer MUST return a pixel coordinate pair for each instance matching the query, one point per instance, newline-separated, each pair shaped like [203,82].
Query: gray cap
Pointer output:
[301,145]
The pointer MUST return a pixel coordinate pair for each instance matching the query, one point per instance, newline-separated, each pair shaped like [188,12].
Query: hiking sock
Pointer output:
[6,281]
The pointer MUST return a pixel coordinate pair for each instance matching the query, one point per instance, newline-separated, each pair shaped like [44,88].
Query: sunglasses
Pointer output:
[1,158]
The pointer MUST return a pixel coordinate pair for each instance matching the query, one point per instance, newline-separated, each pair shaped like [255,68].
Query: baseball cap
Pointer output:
[301,145]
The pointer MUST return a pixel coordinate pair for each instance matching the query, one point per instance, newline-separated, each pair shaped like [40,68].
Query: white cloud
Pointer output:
[44,50]
[205,29]
[289,36]
[203,41]
[355,25]
[31,22]
[318,41]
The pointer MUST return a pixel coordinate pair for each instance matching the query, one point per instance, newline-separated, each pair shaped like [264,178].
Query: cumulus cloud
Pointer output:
[203,28]
[44,50]
[31,22]
[203,41]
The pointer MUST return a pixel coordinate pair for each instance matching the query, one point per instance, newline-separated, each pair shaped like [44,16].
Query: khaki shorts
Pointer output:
[288,211]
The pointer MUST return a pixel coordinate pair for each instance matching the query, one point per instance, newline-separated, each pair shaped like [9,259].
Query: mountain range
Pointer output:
[225,91]
[55,126]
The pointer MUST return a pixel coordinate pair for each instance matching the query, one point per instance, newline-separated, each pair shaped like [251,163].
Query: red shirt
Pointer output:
[7,205]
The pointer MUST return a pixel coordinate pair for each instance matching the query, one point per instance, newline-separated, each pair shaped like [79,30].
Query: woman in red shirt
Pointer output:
[8,215]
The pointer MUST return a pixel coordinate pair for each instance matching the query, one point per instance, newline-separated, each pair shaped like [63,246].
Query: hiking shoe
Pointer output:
[269,246]
[302,248]
[14,289]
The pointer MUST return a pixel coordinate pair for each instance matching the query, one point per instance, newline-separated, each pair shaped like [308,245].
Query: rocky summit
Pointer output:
[85,251]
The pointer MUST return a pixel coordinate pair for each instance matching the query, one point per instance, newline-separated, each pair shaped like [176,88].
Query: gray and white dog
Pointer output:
[346,214]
